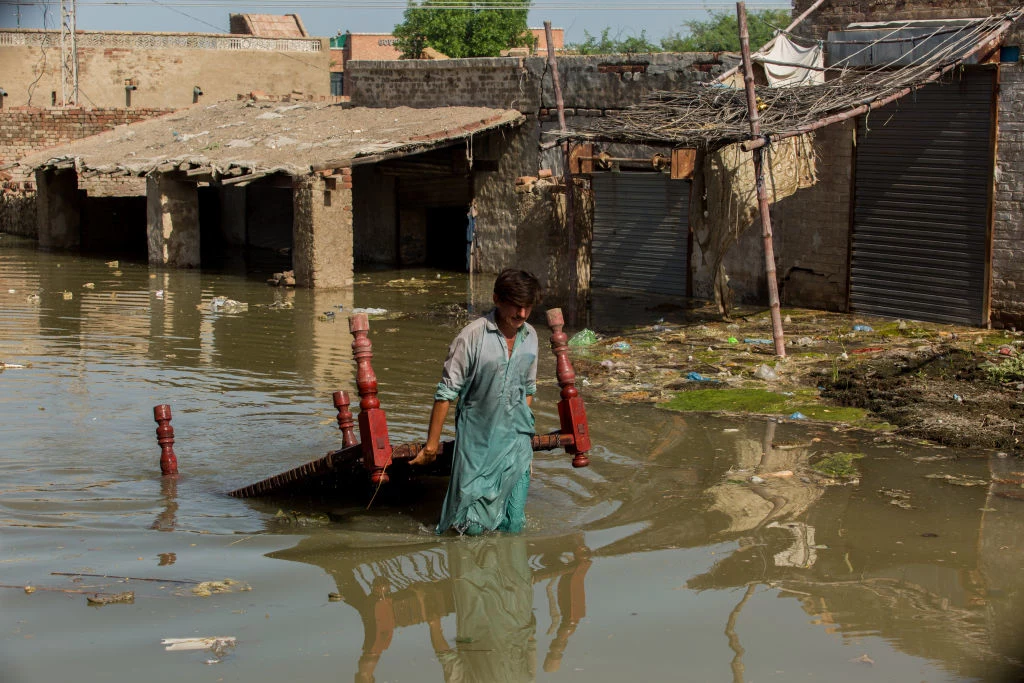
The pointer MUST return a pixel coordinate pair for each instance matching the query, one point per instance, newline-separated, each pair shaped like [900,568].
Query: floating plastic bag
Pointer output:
[584,337]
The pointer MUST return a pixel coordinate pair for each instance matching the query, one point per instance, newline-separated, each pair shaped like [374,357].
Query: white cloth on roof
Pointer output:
[785,50]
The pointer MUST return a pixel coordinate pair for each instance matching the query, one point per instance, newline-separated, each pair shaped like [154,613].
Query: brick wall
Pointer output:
[836,14]
[589,83]
[1008,227]
[24,129]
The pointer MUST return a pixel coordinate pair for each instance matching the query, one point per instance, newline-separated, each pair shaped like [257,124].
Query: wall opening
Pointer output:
[115,226]
[446,237]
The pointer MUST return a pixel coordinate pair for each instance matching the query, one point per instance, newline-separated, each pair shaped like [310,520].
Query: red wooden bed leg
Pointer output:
[373,424]
[571,413]
[346,421]
[165,437]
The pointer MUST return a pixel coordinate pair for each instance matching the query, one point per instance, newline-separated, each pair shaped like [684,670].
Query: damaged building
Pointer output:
[305,181]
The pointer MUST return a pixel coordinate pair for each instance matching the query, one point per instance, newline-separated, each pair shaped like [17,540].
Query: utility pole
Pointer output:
[68,52]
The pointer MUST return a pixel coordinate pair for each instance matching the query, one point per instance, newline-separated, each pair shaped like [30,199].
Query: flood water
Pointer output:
[661,561]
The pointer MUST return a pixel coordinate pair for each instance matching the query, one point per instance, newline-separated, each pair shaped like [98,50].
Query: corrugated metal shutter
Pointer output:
[641,232]
[924,167]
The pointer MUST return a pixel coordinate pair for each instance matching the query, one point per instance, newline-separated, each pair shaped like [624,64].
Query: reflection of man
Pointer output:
[491,370]
[493,590]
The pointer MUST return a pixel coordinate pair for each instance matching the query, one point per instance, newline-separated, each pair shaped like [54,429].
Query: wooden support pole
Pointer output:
[570,184]
[762,193]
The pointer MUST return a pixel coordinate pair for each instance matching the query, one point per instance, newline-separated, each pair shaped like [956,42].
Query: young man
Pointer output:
[492,370]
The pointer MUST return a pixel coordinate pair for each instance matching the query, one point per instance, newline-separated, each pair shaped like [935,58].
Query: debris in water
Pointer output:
[370,311]
[219,645]
[584,337]
[113,264]
[68,296]
[959,479]
[862,328]
[222,304]
[89,285]
[208,588]
[334,597]
[100,599]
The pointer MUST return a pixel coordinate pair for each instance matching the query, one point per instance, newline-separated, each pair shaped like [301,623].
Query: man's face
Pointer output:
[513,315]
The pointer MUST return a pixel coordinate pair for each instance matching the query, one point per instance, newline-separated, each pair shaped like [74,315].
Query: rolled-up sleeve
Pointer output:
[456,370]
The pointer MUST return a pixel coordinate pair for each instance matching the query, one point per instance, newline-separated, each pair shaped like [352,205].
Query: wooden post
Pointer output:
[570,184]
[762,193]
[165,437]
[572,415]
[346,421]
[373,424]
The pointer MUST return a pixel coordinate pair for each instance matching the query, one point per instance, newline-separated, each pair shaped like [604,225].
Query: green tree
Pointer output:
[606,45]
[461,31]
[720,32]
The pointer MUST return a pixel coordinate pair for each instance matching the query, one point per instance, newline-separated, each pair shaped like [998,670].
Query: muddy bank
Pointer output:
[957,386]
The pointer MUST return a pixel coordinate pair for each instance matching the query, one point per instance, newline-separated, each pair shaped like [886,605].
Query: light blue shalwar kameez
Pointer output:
[493,427]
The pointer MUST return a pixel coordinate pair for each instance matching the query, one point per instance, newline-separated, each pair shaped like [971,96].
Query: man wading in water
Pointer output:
[492,370]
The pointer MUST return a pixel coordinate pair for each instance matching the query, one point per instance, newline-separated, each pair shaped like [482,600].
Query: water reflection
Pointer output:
[487,583]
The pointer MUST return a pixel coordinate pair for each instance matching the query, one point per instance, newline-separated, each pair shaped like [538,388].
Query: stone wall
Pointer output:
[1008,227]
[164,67]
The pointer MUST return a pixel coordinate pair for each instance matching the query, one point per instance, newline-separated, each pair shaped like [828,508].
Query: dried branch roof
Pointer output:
[711,117]
[269,137]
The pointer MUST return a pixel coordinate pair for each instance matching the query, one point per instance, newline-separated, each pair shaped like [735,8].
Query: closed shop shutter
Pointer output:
[920,227]
[641,233]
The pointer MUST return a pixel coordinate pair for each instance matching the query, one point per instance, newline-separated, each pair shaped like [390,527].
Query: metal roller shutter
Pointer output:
[641,232]
[920,227]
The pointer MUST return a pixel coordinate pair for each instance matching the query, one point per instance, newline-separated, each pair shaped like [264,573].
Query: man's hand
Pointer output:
[425,455]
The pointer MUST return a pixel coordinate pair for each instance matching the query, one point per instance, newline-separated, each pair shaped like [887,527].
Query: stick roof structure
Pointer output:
[715,115]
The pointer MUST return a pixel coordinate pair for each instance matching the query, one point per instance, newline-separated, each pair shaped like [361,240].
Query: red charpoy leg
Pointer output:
[571,413]
[572,604]
[346,421]
[165,437]
[373,424]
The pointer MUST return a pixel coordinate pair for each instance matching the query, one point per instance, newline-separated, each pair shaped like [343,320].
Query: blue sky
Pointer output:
[325,18]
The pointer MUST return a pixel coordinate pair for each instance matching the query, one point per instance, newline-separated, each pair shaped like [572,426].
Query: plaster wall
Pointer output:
[172,217]
[164,67]
[322,234]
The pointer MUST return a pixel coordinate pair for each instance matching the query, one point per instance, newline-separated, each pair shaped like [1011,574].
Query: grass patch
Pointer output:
[838,465]
[1010,370]
[816,411]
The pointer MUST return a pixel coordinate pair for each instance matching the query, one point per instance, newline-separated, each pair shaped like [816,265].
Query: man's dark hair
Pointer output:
[518,287]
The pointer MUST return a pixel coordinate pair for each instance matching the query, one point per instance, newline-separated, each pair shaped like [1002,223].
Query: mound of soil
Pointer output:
[941,394]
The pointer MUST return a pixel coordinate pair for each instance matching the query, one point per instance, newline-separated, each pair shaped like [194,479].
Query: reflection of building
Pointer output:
[487,583]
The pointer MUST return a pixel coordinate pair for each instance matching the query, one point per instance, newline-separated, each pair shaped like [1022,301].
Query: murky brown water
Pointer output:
[659,562]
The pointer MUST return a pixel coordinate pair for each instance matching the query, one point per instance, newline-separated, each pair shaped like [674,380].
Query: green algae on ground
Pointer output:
[733,400]
[838,465]
[761,401]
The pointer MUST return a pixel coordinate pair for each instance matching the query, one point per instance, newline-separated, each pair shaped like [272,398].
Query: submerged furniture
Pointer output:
[368,458]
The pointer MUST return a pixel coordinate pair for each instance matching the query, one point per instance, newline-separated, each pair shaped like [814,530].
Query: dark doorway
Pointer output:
[115,226]
[446,237]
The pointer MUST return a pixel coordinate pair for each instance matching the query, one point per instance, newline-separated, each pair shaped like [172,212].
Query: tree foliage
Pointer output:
[606,45]
[720,32]
[477,31]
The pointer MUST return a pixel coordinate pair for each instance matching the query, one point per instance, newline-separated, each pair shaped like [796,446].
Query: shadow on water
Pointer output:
[665,559]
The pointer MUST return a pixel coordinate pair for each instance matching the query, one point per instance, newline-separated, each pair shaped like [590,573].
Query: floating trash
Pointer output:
[584,337]
[862,328]
[798,416]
